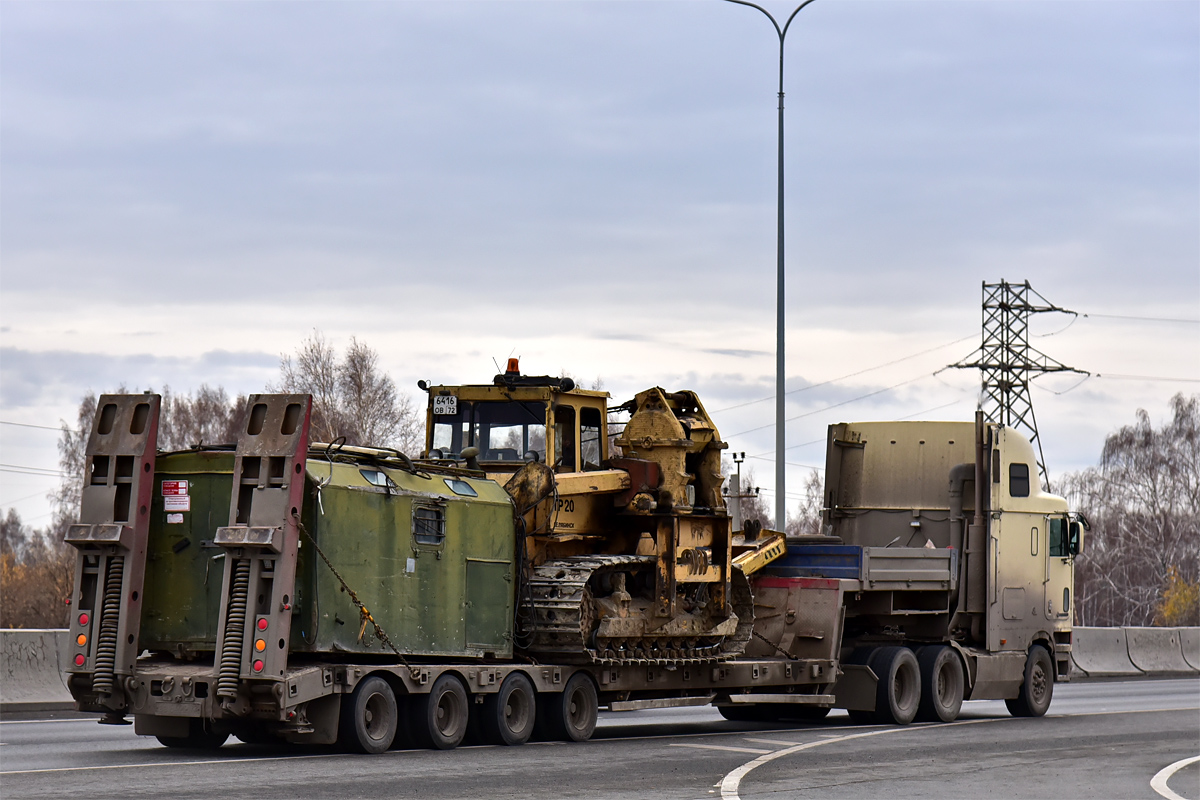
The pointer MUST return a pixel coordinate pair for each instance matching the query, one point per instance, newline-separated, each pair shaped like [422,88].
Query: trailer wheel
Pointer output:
[571,716]
[508,716]
[369,717]
[199,737]
[899,692]
[941,684]
[1038,687]
[439,719]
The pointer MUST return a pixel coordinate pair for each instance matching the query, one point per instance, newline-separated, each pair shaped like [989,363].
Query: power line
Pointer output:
[39,427]
[1181,321]
[1147,378]
[23,470]
[851,375]
[835,405]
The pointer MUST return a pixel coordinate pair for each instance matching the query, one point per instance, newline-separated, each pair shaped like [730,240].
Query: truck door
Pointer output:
[1059,578]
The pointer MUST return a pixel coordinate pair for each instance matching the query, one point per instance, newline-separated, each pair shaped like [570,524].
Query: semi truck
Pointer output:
[531,567]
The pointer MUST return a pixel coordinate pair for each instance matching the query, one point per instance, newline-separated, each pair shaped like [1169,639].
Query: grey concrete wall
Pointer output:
[31,666]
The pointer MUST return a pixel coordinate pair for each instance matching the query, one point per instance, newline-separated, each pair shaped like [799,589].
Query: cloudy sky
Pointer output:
[187,190]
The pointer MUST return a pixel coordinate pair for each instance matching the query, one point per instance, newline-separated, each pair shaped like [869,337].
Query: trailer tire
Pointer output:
[439,719]
[942,684]
[899,694]
[369,717]
[571,715]
[199,737]
[508,716]
[1037,688]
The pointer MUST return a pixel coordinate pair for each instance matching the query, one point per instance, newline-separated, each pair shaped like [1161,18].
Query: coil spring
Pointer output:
[235,628]
[106,640]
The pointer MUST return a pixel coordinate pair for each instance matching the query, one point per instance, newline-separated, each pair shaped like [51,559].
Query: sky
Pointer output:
[188,190]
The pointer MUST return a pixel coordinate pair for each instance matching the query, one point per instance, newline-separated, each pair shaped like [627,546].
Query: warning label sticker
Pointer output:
[174,519]
[177,503]
[174,488]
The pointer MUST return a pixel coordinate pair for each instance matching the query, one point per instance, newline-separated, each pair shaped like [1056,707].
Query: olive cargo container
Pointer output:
[395,537]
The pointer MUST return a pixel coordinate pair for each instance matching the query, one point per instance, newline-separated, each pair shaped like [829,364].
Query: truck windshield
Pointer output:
[501,431]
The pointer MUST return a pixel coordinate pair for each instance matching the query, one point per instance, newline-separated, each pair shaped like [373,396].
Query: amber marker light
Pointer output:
[260,645]
[81,639]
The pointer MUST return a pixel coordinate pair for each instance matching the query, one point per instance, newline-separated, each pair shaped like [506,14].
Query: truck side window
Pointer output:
[1018,480]
[589,437]
[564,438]
[429,525]
[1058,538]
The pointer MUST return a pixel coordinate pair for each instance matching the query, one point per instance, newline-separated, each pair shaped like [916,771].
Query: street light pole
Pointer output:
[780,437]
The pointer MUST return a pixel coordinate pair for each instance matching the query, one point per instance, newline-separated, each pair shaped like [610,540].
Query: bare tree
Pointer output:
[807,521]
[1144,505]
[209,417]
[351,397]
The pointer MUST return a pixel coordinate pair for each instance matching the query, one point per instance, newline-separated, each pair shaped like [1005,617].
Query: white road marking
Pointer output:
[1159,782]
[712,747]
[776,742]
[733,781]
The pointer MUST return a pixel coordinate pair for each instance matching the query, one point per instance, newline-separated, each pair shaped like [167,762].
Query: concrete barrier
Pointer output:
[1102,652]
[1157,651]
[1190,639]
[30,667]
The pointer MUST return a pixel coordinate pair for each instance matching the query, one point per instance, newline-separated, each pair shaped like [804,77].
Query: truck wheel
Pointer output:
[941,684]
[369,717]
[439,719]
[899,692]
[1038,687]
[507,717]
[199,737]
[571,716]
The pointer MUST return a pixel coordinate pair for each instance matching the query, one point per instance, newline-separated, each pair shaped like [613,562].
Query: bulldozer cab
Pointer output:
[519,419]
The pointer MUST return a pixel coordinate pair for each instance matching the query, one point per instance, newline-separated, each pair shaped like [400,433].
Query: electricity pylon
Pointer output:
[1006,361]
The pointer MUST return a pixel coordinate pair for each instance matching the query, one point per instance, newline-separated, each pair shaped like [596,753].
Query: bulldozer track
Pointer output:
[561,618]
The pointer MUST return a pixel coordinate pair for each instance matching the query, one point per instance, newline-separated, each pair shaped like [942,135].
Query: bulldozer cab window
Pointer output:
[564,438]
[508,431]
[1018,480]
[589,438]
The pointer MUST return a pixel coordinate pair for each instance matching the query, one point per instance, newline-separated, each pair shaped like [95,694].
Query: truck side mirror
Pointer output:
[1075,543]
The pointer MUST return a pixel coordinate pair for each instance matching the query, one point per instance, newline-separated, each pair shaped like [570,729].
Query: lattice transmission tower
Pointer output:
[1006,361]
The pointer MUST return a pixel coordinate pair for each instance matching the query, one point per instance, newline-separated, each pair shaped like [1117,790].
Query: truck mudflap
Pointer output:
[260,545]
[111,538]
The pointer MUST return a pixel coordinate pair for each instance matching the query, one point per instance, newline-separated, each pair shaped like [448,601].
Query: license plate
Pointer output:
[445,404]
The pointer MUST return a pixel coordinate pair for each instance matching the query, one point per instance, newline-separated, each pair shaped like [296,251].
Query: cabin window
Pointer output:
[1059,544]
[1018,480]
[376,477]
[564,438]
[589,437]
[501,431]
[429,525]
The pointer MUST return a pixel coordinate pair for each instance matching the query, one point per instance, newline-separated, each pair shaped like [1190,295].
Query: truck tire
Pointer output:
[200,736]
[508,716]
[1037,689]
[438,720]
[368,717]
[899,694]
[571,715]
[941,684]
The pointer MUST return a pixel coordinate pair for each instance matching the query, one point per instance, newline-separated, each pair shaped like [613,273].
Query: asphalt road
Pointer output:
[1100,740]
